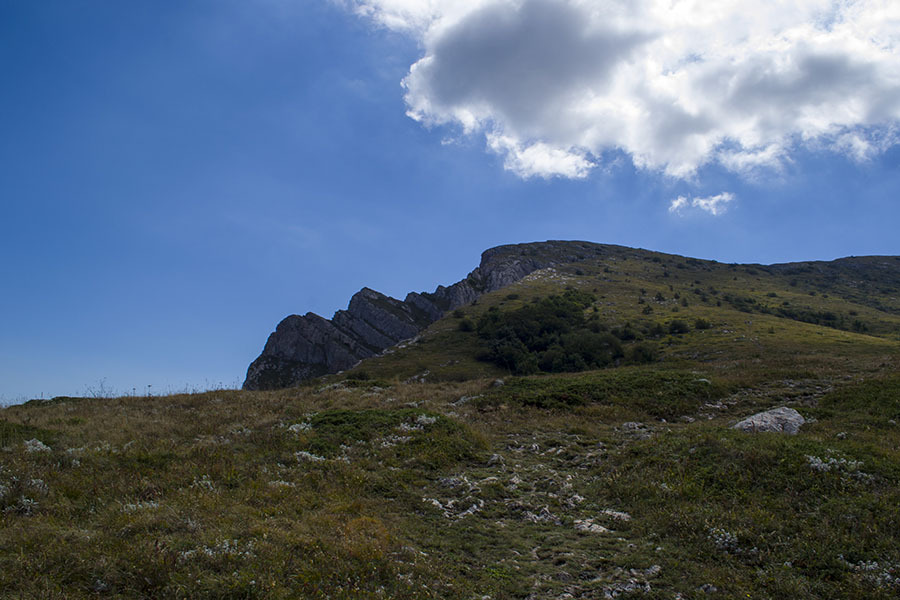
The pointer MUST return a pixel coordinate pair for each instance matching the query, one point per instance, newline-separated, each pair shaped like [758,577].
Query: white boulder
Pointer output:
[779,420]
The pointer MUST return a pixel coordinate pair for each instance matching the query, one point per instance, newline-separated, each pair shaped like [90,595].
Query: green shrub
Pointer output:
[582,350]
[678,327]
[626,333]
[552,335]
[660,394]
[641,353]
[656,330]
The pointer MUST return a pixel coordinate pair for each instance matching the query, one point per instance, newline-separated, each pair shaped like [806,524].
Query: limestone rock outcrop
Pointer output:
[778,420]
[303,347]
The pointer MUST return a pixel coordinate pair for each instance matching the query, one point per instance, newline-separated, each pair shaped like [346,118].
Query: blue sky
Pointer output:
[177,177]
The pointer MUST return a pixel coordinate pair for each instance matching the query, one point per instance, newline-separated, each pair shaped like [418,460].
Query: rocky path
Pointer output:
[532,510]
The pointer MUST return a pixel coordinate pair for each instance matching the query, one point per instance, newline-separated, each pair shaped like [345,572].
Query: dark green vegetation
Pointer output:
[552,335]
[646,391]
[418,475]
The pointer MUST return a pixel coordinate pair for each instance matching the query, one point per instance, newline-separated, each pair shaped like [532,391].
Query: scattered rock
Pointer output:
[652,571]
[419,378]
[425,420]
[614,514]
[544,516]
[464,400]
[630,587]
[299,427]
[452,482]
[574,501]
[36,445]
[708,588]
[303,455]
[588,526]
[778,420]
[638,431]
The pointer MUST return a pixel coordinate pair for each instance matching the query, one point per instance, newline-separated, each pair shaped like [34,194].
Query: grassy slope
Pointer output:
[461,489]
[626,282]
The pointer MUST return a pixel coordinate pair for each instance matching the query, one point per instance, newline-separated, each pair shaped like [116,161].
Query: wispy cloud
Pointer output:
[714,205]
[555,85]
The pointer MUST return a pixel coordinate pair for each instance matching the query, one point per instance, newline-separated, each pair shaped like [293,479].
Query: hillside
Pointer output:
[303,348]
[784,311]
[639,287]
[565,434]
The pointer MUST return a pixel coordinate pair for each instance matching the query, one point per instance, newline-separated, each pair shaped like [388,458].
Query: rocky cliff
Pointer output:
[304,347]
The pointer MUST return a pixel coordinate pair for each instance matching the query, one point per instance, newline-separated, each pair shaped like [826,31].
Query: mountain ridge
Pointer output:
[309,346]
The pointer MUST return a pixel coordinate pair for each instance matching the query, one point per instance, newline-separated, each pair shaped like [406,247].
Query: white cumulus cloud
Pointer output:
[557,86]
[714,205]
[539,159]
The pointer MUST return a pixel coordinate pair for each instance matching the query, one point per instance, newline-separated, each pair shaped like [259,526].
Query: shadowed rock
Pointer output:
[304,347]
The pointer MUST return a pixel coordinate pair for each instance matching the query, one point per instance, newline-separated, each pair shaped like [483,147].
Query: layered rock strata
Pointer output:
[303,347]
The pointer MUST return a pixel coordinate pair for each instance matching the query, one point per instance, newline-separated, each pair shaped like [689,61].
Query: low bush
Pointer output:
[553,336]
[678,327]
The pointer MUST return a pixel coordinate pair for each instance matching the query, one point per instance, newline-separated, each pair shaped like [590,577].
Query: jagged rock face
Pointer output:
[309,346]
[302,348]
[311,339]
[458,294]
[378,321]
[427,307]
[503,271]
